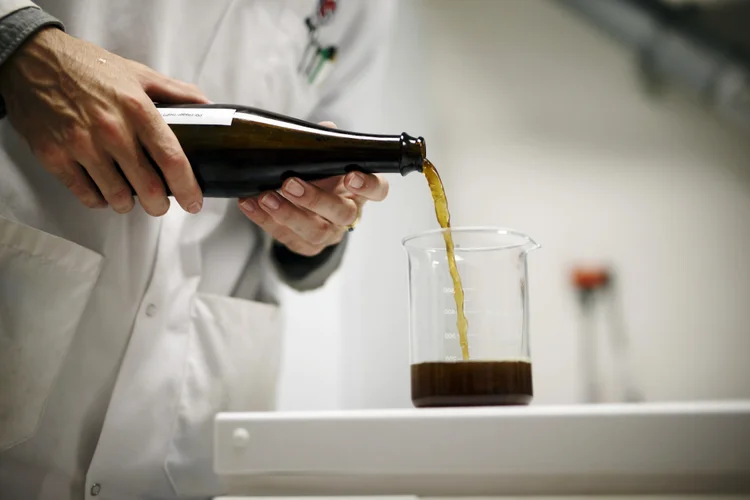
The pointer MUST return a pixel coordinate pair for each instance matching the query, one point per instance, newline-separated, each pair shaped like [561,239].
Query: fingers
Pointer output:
[311,227]
[307,217]
[338,210]
[100,168]
[164,148]
[73,177]
[110,183]
[161,88]
[368,186]
[118,141]
[264,216]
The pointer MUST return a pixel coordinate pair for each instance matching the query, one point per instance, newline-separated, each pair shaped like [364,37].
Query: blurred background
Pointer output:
[598,129]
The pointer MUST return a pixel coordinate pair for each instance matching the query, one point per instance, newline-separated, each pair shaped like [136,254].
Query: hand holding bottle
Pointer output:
[307,217]
[81,109]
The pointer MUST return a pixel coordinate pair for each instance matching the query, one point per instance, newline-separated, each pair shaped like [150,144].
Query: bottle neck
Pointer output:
[413,154]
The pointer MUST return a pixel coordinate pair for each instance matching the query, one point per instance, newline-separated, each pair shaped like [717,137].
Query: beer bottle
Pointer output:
[237,151]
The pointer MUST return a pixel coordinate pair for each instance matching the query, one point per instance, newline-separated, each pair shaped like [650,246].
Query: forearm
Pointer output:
[19,20]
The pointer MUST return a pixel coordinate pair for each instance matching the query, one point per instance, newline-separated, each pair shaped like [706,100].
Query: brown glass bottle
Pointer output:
[238,151]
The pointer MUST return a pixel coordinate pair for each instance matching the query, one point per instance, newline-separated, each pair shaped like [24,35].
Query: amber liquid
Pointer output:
[444,219]
[473,383]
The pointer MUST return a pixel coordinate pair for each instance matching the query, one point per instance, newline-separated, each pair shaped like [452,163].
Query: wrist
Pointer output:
[24,30]
[37,43]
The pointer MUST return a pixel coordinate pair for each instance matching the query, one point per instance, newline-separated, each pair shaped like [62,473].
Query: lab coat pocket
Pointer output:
[232,365]
[45,284]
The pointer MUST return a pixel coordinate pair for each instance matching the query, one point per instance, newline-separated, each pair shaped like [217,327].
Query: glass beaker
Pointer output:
[491,265]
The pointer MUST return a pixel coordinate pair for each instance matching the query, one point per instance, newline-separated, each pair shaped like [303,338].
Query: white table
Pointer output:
[645,449]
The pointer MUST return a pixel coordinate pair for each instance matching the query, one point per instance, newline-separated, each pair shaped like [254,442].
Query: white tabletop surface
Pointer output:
[674,448]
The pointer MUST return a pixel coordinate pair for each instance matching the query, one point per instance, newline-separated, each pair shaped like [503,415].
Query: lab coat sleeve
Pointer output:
[10,6]
[19,19]
[345,94]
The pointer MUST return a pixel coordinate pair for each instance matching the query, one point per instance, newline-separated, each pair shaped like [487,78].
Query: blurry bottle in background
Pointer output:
[604,353]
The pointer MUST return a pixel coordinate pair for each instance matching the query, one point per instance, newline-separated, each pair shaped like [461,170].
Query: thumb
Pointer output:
[161,88]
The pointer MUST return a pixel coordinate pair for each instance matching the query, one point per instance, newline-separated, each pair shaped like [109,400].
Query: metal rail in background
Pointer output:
[674,46]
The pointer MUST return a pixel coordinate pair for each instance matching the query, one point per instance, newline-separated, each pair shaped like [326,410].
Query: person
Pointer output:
[127,323]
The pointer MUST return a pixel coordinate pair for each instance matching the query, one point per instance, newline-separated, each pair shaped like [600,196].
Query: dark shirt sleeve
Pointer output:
[307,273]
[16,28]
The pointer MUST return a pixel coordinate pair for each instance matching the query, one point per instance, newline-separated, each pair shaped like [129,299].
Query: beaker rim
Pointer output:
[524,239]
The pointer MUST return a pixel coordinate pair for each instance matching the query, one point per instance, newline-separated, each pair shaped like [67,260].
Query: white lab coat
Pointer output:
[122,335]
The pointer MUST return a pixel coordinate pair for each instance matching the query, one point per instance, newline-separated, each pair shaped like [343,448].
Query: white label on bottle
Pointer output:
[197,116]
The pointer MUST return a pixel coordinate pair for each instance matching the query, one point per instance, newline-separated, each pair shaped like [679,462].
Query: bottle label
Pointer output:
[197,116]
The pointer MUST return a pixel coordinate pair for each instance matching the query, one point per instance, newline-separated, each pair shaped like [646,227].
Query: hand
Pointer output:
[81,108]
[310,216]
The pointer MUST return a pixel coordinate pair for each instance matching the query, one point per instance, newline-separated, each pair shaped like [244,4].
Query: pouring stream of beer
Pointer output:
[444,218]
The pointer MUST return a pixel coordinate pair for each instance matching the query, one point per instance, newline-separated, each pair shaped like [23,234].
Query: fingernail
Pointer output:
[270,201]
[357,181]
[195,207]
[248,205]
[294,188]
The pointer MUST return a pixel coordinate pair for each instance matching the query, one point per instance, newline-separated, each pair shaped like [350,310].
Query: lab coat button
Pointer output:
[95,489]
[151,310]
[240,437]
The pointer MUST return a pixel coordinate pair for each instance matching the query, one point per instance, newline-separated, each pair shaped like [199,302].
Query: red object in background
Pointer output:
[326,8]
[591,279]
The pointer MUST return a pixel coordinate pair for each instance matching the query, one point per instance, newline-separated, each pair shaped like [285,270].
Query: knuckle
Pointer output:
[172,159]
[320,232]
[49,154]
[154,187]
[315,198]
[107,126]
[135,104]
[77,138]
[261,218]
[120,198]
[284,214]
[258,216]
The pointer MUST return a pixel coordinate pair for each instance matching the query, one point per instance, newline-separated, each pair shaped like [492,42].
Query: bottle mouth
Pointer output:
[413,154]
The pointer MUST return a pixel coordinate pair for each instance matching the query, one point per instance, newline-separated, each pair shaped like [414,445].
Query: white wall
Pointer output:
[547,130]
[335,347]
[375,337]
[537,122]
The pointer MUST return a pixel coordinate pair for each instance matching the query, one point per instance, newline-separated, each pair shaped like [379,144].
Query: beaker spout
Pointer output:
[531,245]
